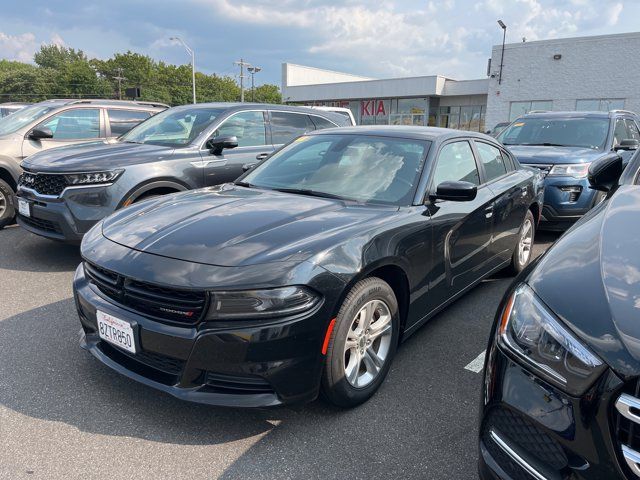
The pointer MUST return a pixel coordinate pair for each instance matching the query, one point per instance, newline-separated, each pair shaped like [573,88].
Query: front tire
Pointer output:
[362,344]
[524,249]
[7,207]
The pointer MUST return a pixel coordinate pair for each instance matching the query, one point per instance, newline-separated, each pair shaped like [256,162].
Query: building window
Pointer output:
[467,117]
[599,104]
[520,108]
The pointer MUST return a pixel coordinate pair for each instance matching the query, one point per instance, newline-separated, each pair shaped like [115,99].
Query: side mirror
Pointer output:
[40,133]
[248,166]
[456,191]
[628,144]
[218,144]
[605,172]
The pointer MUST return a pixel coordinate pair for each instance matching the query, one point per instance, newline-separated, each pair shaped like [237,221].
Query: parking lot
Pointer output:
[63,415]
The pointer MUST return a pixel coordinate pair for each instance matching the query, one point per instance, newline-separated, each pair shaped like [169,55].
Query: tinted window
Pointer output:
[632,130]
[74,124]
[122,121]
[456,163]
[492,160]
[565,132]
[356,167]
[287,126]
[321,123]
[248,127]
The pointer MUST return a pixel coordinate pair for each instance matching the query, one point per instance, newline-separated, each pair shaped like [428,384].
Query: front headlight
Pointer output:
[534,334]
[579,170]
[92,178]
[272,302]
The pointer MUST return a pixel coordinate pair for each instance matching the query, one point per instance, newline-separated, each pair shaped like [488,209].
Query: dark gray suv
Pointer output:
[64,192]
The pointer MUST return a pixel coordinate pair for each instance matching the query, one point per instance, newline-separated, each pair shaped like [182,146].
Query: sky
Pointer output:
[374,38]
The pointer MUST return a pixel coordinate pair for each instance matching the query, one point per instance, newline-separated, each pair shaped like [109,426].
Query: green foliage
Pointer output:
[61,72]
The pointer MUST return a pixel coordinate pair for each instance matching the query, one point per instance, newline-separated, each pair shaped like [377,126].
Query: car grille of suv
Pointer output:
[43,183]
[184,307]
[544,169]
[627,425]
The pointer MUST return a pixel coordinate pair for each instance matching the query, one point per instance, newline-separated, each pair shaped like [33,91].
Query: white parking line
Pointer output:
[476,364]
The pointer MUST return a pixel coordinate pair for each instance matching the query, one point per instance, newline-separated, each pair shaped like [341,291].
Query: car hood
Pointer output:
[94,156]
[591,280]
[235,226]
[553,155]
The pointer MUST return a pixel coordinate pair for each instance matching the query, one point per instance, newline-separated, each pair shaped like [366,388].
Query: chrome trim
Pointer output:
[71,187]
[625,403]
[515,456]
[632,458]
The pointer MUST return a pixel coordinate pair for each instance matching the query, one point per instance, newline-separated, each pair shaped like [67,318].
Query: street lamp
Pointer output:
[253,71]
[504,36]
[193,63]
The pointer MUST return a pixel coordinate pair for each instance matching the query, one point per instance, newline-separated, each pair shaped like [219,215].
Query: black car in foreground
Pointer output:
[303,275]
[562,377]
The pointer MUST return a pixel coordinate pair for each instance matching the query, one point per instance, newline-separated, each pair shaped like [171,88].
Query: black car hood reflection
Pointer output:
[235,226]
[95,156]
[602,303]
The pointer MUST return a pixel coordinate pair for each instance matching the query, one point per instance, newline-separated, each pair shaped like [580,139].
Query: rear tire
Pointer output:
[362,344]
[524,249]
[7,206]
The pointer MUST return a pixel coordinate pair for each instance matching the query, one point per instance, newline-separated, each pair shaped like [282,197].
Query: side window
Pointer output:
[78,124]
[619,132]
[122,121]
[508,161]
[286,126]
[321,123]
[248,127]
[632,130]
[492,161]
[456,163]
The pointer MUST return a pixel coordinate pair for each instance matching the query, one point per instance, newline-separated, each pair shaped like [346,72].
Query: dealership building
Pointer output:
[584,73]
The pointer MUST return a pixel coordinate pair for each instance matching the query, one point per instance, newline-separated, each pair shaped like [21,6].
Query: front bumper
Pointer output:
[566,199]
[530,426]
[68,217]
[253,365]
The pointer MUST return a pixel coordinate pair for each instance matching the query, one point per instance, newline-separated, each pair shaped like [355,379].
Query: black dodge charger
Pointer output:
[562,379]
[305,274]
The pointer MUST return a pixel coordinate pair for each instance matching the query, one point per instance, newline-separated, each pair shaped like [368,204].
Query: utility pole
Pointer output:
[253,71]
[242,64]
[119,78]
[504,37]
[191,52]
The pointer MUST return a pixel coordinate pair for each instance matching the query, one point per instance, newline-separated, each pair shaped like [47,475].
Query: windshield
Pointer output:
[24,117]
[562,132]
[352,167]
[173,128]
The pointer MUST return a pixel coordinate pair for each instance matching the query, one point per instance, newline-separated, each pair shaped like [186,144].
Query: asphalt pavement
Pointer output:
[64,415]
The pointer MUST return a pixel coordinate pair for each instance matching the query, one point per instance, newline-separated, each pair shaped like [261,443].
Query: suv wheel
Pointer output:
[7,207]
[362,344]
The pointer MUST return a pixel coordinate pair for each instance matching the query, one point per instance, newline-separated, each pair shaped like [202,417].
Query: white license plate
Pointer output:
[116,331]
[24,208]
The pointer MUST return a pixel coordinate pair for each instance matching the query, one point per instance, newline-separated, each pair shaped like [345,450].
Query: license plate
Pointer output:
[116,331]
[24,208]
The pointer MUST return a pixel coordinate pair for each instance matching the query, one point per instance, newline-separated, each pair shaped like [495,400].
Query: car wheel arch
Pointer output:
[534,208]
[155,187]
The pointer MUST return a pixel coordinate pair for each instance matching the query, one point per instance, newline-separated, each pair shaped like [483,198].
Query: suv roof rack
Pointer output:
[620,110]
[537,111]
[118,102]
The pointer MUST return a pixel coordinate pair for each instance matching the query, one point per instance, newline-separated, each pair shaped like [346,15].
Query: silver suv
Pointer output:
[56,123]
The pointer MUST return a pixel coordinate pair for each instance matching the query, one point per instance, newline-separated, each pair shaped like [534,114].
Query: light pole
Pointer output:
[253,71]
[193,63]
[504,37]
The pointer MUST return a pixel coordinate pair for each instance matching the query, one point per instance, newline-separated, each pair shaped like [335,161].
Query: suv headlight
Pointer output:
[251,304]
[531,332]
[579,170]
[92,178]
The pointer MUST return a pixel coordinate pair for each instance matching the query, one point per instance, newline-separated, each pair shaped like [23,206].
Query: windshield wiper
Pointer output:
[244,184]
[545,144]
[312,193]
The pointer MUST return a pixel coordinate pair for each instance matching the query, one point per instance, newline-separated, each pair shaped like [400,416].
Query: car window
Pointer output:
[122,121]
[286,126]
[247,127]
[24,117]
[321,123]
[619,132]
[76,124]
[492,161]
[632,130]
[587,132]
[456,163]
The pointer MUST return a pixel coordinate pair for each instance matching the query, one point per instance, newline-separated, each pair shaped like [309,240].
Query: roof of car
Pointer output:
[571,114]
[61,102]
[406,131]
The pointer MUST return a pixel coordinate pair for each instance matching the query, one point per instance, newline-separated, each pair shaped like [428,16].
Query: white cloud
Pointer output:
[22,47]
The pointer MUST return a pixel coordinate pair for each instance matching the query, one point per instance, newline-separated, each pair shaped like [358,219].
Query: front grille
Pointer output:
[154,366]
[544,169]
[626,421]
[185,307]
[43,183]
[237,384]
[41,224]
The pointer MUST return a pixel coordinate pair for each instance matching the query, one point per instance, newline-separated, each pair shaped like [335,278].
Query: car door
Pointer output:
[510,191]
[285,126]
[120,120]
[461,230]
[624,129]
[75,125]
[250,128]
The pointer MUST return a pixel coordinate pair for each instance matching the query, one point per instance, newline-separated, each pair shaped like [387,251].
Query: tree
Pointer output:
[268,93]
[55,56]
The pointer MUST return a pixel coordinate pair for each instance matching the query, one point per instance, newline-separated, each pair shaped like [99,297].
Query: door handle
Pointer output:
[524,191]
[262,156]
[488,212]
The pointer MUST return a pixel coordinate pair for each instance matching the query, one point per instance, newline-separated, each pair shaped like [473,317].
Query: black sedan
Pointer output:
[305,274]
[562,378]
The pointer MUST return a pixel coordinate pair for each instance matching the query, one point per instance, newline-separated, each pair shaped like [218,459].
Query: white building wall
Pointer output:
[590,68]
[293,75]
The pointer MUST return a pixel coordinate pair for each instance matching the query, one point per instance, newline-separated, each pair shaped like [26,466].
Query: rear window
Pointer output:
[122,121]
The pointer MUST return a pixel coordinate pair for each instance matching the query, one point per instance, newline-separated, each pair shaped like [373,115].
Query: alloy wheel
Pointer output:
[525,243]
[3,203]
[368,343]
